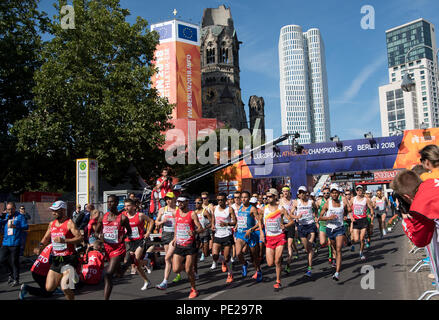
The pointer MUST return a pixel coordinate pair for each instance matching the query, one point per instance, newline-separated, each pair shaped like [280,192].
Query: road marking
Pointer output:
[214,295]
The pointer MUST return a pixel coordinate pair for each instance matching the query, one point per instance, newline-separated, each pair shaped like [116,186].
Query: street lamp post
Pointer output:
[408,84]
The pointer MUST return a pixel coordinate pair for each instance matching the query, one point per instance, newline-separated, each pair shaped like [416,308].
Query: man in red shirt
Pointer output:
[163,186]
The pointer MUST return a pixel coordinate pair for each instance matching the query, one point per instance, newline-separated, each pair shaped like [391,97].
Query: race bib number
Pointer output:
[242,222]
[110,234]
[134,233]
[10,231]
[182,234]
[273,226]
[59,246]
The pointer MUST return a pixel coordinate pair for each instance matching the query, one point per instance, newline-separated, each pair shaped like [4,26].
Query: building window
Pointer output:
[391,116]
[224,56]
[210,56]
[390,95]
[398,94]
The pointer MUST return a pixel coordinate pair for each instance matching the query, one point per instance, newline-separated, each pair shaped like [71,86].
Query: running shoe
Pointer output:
[362,257]
[259,276]
[229,278]
[162,286]
[197,277]
[384,232]
[58,291]
[296,257]
[335,277]
[213,267]
[14,283]
[334,264]
[194,293]
[133,271]
[255,276]
[223,267]
[202,257]
[308,274]
[177,278]
[367,244]
[287,269]
[232,259]
[244,270]
[146,285]
[23,292]
[277,285]
[352,248]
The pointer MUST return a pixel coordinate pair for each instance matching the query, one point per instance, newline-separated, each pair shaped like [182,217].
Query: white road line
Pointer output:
[214,295]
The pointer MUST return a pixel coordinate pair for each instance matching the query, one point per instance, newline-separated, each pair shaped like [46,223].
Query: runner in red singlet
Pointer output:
[184,242]
[93,265]
[112,228]
[63,235]
[135,242]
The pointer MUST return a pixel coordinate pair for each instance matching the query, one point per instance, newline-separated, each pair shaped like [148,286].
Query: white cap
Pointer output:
[302,188]
[181,199]
[58,205]
[312,194]
[334,186]
[359,186]
[253,200]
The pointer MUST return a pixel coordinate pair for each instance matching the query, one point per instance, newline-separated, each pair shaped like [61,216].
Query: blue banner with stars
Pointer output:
[187,33]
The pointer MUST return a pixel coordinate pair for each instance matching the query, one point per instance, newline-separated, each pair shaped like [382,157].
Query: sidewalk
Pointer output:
[418,282]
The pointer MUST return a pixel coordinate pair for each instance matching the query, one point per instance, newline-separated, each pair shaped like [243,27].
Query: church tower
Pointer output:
[220,81]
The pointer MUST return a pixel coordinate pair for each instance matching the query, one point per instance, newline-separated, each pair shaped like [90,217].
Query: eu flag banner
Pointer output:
[187,33]
[165,31]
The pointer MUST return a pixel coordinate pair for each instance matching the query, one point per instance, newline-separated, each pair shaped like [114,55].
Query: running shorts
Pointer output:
[114,250]
[276,241]
[305,230]
[204,237]
[226,241]
[131,246]
[361,224]
[57,262]
[378,213]
[186,251]
[167,237]
[252,241]
[332,234]
[290,232]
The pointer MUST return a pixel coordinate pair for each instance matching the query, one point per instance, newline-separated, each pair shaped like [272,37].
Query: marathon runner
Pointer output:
[275,238]
[370,218]
[322,224]
[112,229]
[223,219]
[209,207]
[166,220]
[359,205]
[135,241]
[381,205]
[334,211]
[63,235]
[248,222]
[184,242]
[235,206]
[260,208]
[348,197]
[303,210]
[287,203]
[203,238]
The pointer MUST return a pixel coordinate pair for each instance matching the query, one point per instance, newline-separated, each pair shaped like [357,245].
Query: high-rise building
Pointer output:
[411,48]
[220,79]
[303,84]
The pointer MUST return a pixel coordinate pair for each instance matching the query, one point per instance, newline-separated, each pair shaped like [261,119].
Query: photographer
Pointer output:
[163,186]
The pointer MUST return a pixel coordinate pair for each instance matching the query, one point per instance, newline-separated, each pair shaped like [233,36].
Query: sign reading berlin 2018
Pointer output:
[86,181]
[177,59]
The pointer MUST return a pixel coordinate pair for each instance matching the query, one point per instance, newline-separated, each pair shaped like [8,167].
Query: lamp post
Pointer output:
[408,84]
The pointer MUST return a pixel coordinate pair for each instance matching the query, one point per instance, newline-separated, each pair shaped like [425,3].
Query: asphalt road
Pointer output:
[385,258]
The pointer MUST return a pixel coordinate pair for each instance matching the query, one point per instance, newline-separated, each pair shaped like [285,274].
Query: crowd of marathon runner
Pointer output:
[239,228]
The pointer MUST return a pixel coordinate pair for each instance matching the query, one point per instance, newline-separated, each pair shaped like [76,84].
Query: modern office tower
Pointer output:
[411,48]
[303,84]
[220,79]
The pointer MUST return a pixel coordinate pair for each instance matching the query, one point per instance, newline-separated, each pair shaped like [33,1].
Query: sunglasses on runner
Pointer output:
[270,196]
[199,202]
[221,199]
[326,193]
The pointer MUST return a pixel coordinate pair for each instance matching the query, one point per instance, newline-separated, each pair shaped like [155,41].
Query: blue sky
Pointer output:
[356,59]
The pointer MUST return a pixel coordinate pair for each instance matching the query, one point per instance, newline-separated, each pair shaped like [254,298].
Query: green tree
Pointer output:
[93,97]
[20,46]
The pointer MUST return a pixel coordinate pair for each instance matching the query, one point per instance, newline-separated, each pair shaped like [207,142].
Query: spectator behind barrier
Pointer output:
[419,205]
[430,161]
